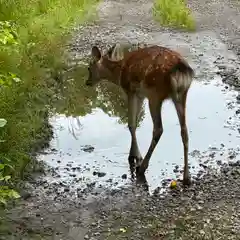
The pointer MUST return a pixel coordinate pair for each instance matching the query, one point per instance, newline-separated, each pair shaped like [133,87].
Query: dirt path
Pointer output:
[207,210]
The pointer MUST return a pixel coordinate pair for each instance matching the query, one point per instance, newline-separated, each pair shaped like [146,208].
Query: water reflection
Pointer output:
[79,100]
[110,140]
[76,98]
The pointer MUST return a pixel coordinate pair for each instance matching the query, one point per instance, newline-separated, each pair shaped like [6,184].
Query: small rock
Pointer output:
[232,156]
[199,207]
[88,148]
[212,155]
[219,162]
[86,237]
[99,174]
[124,176]
[202,165]
[175,170]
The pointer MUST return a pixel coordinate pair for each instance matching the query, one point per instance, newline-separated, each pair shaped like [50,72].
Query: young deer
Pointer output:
[156,73]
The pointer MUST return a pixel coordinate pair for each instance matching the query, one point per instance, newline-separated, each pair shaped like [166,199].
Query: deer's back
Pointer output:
[150,67]
[119,50]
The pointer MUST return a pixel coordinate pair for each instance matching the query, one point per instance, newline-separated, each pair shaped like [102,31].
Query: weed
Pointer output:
[174,13]
[33,35]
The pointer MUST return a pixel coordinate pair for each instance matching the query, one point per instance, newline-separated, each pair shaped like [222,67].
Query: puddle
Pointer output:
[211,122]
[98,119]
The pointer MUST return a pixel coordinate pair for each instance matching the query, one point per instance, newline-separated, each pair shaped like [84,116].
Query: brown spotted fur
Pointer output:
[150,67]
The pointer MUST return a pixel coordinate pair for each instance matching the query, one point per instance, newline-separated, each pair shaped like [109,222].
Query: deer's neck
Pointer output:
[114,69]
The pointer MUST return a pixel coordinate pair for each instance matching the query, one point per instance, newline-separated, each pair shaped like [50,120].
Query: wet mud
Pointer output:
[87,192]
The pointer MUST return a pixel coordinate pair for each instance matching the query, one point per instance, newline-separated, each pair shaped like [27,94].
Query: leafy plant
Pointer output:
[8,78]
[8,43]
[174,13]
[8,34]
[32,44]
[6,192]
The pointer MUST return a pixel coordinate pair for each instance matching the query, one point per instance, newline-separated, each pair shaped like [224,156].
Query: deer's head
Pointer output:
[96,70]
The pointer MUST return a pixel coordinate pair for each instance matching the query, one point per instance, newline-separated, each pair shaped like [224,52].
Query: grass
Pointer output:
[42,28]
[174,13]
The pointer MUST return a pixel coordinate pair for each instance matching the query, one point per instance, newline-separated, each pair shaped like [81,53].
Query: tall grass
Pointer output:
[42,29]
[174,13]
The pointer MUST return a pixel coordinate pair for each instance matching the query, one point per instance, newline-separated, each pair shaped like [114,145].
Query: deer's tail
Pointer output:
[181,79]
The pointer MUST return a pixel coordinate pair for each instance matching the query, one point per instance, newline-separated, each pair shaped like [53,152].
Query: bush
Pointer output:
[33,34]
[5,191]
[174,13]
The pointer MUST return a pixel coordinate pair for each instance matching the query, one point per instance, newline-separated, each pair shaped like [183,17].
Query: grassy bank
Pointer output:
[174,13]
[32,38]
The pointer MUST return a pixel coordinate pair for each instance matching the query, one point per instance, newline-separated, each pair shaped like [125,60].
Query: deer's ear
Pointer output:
[96,53]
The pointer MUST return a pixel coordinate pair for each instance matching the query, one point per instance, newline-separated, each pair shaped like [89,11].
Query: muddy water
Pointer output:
[91,141]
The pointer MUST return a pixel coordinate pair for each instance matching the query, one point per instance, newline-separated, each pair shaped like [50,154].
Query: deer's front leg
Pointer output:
[155,107]
[134,108]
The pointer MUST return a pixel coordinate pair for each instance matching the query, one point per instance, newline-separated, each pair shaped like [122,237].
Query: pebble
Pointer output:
[124,176]
[88,148]
[99,174]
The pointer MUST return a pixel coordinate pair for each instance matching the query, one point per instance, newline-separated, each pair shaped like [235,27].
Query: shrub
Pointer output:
[174,13]
[33,34]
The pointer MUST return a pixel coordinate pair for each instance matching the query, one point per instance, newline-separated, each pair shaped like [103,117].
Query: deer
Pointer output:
[153,72]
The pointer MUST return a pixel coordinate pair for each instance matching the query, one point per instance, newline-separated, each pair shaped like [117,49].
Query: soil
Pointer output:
[209,209]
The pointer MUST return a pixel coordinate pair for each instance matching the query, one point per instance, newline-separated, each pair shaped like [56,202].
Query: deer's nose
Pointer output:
[88,83]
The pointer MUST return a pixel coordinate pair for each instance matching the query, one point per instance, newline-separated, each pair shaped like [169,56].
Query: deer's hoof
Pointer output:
[187,181]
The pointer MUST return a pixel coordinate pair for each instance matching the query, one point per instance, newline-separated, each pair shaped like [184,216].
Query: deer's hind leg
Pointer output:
[180,106]
[134,108]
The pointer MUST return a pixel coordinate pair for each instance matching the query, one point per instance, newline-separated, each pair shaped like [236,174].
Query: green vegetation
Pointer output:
[5,191]
[32,38]
[174,13]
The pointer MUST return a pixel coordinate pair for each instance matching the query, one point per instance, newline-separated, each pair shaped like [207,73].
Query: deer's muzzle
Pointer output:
[88,83]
